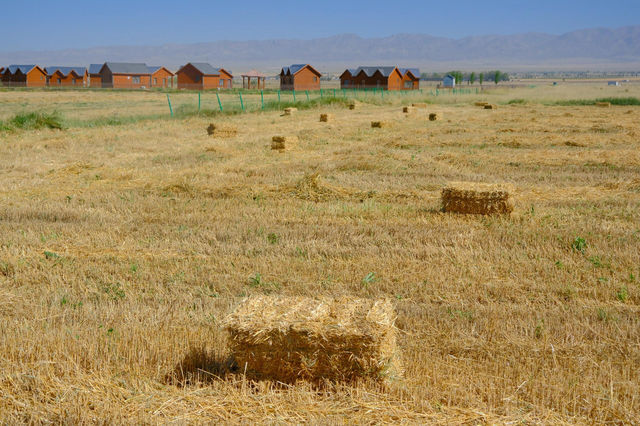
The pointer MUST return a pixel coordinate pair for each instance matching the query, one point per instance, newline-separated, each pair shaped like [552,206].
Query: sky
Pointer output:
[39,26]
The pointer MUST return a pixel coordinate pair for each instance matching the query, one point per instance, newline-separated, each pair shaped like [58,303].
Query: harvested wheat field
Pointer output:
[126,249]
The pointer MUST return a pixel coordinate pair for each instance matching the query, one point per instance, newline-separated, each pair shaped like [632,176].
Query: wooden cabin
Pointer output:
[410,78]
[299,77]
[387,78]
[161,77]
[24,76]
[93,77]
[66,76]
[202,76]
[124,75]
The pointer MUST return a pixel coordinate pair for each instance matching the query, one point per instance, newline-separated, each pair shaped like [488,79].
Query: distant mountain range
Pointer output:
[589,49]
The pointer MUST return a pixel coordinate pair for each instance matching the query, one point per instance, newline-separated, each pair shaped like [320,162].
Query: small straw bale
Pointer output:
[491,106]
[408,109]
[477,198]
[283,143]
[421,105]
[325,118]
[380,124]
[354,105]
[287,339]
[222,130]
[290,111]
[603,104]
[435,116]
[481,104]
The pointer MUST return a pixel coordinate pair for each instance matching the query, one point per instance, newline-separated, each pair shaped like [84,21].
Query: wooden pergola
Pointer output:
[258,83]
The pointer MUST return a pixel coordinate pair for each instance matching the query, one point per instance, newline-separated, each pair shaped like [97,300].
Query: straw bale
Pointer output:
[354,105]
[477,198]
[435,116]
[491,106]
[325,118]
[283,143]
[380,124]
[222,130]
[603,104]
[408,109]
[290,111]
[481,104]
[287,339]
[419,105]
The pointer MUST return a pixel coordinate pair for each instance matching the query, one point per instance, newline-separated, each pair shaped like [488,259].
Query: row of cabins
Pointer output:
[201,76]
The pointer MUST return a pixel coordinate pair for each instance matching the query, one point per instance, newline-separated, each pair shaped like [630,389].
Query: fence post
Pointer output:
[169,101]
[262,98]
[241,101]
[199,102]
[294,95]
[334,93]
[219,101]
[307,93]
[321,94]
[278,96]
[382,93]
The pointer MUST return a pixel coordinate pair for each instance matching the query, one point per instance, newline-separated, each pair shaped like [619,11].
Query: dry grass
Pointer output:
[123,249]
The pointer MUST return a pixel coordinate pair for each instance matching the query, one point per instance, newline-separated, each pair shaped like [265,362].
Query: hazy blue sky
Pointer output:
[45,25]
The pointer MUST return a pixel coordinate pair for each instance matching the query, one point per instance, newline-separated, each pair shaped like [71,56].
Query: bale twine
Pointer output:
[290,111]
[283,143]
[481,104]
[603,104]
[380,124]
[491,106]
[408,109]
[477,198]
[435,116]
[287,339]
[325,118]
[222,130]
[421,105]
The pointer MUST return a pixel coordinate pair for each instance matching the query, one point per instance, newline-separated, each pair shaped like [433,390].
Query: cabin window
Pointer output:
[221,83]
[155,81]
[59,81]
[73,81]
[347,82]
[378,83]
[408,84]
[315,79]
[136,80]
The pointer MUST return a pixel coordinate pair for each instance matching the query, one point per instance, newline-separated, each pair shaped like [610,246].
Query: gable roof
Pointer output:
[127,68]
[370,71]
[154,69]
[296,68]
[65,70]
[95,68]
[24,69]
[414,71]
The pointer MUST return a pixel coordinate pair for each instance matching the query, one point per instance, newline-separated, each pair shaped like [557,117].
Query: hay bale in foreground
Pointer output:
[408,109]
[283,143]
[491,106]
[477,198]
[481,104]
[380,124]
[290,111]
[325,118]
[222,130]
[435,116]
[603,104]
[419,105]
[295,338]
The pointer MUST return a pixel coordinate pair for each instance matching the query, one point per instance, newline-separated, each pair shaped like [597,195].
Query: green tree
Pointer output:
[481,78]
[496,77]
[472,78]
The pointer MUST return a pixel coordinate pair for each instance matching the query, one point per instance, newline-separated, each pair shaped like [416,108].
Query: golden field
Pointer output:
[124,247]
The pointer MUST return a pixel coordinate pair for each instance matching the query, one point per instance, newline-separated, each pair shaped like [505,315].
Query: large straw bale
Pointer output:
[435,116]
[477,198]
[603,104]
[419,105]
[222,130]
[481,104]
[287,339]
[381,124]
[325,118]
[491,106]
[283,143]
[290,111]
